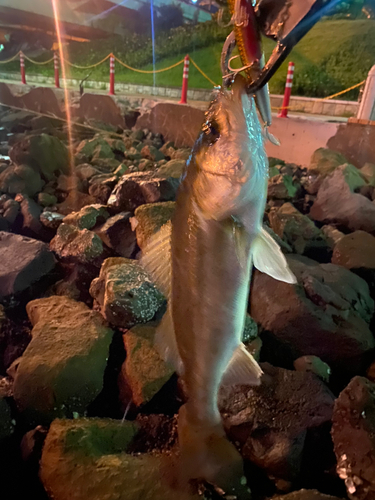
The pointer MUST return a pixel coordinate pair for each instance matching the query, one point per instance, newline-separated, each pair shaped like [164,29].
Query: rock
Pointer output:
[100,108]
[149,218]
[46,199]
[125,293]
[23,262]
[100,192]
[368,171]
[31,211]
[52,220]
[353,434]
[297,229]
[250,332]
[143,371]
[68,183]
[145,165]
[97,147]
[76,245]
[74,202]
[173,168]
[85,171]
[41,100]
[337,203]
[270,422]
[108,165]
[332,235]
[43,152]
[11,210]
[139,188]
[282,187]
[313,364]
[324,161]
[151,153]
[305,495]
[181,154]
[61,371]
[330,305]
[355,250]
[87,217]
[166,119]
[88,459]
[6,421]
[20,179]
[117,234]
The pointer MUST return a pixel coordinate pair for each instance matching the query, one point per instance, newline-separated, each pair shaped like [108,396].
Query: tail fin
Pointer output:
[206,454]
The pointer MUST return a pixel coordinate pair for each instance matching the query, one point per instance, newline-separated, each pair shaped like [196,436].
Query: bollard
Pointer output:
[56,66]
[185,79]
[366,109]
[288,90]
[112,75]
[22,67]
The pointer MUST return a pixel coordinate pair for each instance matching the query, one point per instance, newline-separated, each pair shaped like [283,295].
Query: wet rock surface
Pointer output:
[24,261]
[353,434]
[330,305]
[125,293]
[144,373]
[149,218]
[61,371]
[271,422]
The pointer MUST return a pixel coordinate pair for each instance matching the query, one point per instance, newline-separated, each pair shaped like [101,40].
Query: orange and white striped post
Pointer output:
[288,91]
[22,67]
[111,74]
[185,79]
[56,67]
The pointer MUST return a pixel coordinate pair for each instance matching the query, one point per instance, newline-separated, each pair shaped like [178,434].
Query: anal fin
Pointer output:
[242,369]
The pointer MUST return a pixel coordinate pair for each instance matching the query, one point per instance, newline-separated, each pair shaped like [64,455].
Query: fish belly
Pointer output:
[209,300]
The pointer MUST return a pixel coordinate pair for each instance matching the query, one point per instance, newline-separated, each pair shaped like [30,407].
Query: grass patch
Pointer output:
[333,56]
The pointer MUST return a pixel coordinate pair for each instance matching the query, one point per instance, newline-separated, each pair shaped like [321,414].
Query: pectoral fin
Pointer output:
[156,259]
[242,369]
[269,259]
[165,342]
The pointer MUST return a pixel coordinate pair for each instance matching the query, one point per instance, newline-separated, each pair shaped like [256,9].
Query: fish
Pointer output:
[201,260]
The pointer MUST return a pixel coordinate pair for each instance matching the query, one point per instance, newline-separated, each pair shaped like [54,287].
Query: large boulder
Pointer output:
[355,250]
[125,293]
[23,261]
[353,434]
[177,123]
[337,202]
[271,422]
[143,372]
[149,218]
[139,188]
[100,108]
[46,153]
[88,459]
[61,371]
[325,314]
[324,161]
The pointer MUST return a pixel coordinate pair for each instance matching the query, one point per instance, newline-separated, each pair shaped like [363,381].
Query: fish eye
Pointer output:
[212,130]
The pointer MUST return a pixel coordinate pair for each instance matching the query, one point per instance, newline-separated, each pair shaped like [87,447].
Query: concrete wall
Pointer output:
[298,104]
[299,138]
